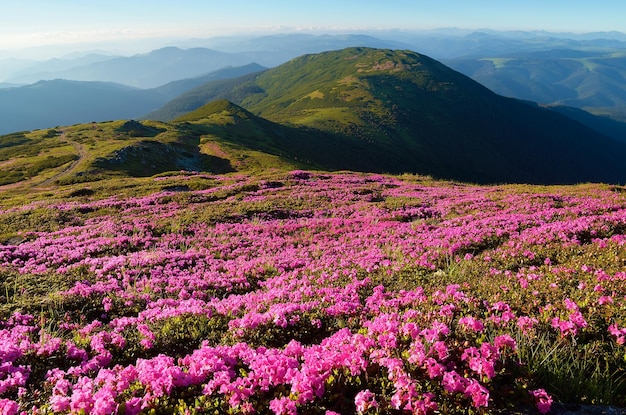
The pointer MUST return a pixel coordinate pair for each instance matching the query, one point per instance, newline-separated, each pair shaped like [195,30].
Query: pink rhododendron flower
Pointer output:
[8,407]
[453,382]
[283,406]
[565,327]
[526,323]
[441,349]
[417,353]
[505,340]
[364,400]
[107,304]
[472,323]
[478,393]
[434,368]
[570,305]
[424,406]
[620,334]
[578,319]
[133,406]
[542,400]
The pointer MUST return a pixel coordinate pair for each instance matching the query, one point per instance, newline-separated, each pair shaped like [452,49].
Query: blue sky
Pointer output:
[28,23]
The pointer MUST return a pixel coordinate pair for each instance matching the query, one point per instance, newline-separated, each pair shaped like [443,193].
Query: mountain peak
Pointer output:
[219,106]
[399,111]
[166,51]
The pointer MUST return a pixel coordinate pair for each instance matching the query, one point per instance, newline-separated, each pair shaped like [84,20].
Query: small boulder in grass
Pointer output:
[300,174]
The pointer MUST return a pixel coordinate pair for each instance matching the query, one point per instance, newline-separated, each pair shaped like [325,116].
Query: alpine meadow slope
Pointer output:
[405,112]
[215,262]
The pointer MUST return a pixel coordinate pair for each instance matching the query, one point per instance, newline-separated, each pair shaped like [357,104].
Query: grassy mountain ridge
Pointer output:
[356,109]
[111,150]
[232,90]
[226,125]
[424,117]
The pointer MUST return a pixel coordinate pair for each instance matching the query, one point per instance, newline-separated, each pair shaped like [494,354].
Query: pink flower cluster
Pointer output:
[292,271]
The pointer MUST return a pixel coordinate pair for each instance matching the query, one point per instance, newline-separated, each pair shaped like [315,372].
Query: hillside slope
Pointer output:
[411,113]
[252,142]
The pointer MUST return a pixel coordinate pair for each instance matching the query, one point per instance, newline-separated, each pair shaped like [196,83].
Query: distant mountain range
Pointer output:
[592,80]
[46,104]
[142,71]
[441,44]
[158,67]
[583,71]
[273,50]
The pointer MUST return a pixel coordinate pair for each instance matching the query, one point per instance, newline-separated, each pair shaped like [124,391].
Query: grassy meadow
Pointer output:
[308,292]
[262,259]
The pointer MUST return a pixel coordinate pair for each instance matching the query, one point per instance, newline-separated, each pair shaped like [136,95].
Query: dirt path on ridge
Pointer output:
[32,183]
[80,150]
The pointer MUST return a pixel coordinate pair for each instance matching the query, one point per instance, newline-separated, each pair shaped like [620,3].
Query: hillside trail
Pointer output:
[80,150]
[47,183]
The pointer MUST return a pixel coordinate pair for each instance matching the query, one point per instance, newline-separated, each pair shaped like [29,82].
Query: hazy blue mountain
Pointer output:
[591,80]
[147,70]
[4,85]
[273,50]
[60,102]
[446,44]
[174,88]
[11,65]
[46,104]
[46,70]
[440,43]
